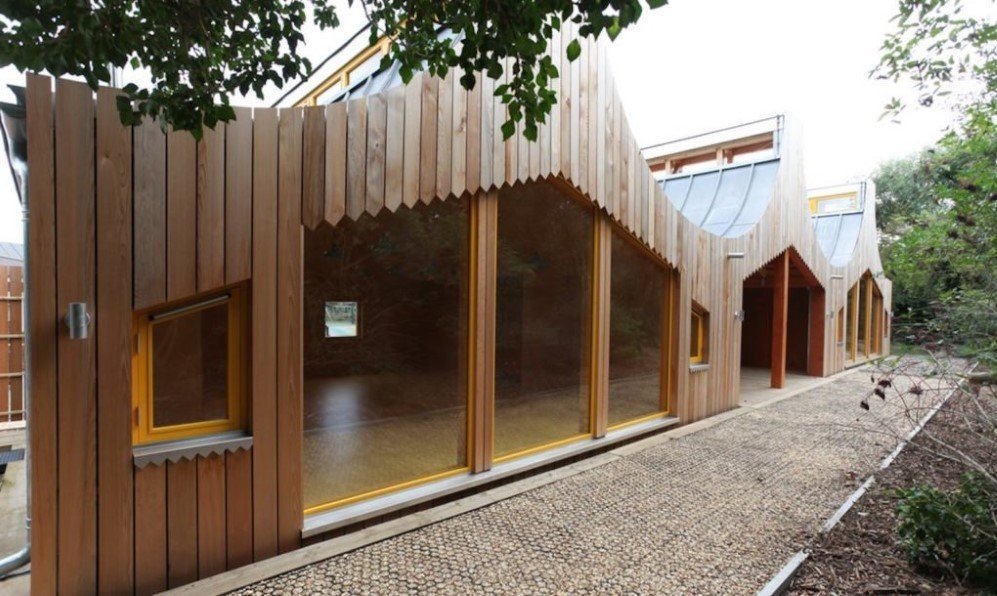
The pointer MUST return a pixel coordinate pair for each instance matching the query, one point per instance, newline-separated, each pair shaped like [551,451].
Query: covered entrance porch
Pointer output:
[783,330]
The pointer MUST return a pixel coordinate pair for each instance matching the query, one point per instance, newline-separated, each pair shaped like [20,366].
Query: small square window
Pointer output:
[342,319]
[188,366]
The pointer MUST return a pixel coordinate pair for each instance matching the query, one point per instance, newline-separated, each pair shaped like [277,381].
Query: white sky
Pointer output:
[698,65]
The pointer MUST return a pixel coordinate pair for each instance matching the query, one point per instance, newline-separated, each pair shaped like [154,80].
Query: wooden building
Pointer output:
[321,315]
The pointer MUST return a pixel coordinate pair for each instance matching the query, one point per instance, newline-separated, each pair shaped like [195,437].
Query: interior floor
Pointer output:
[354,446]
[756,385]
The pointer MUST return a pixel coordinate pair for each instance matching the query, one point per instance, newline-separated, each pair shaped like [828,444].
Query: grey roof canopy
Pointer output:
[838,235]
[727,201]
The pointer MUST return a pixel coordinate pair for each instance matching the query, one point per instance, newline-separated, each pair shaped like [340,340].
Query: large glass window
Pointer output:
[188,369]
[638,331]
[543,318]
[385,351]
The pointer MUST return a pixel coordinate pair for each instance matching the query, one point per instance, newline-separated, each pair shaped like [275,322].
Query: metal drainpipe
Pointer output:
[15,561]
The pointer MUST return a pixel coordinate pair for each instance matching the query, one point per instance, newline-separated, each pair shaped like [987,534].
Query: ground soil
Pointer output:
[861,554]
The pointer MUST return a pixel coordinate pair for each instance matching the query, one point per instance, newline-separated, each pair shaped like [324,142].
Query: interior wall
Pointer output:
[797,329]
[756,336]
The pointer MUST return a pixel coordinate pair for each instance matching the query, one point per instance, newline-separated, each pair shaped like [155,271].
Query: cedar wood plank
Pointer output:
[181,522]
[410,110]
[150,525]
[239,197]
[394,160]
[473,148]
[211,533]
[43,328]
[289,370]
[427,140]
[114,328]
[335,162]
[444,127]
[356,157]
[150,214]
[181,215]
[487,125]
[313,167]
[377,118]
[458,149]
[264,330]
[239,508]
[74,186]
[211,209]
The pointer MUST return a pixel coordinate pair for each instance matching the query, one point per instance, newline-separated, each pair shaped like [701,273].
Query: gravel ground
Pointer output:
[715,512]
[861,554]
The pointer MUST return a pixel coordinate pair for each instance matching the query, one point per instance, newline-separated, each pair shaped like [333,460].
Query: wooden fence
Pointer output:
[11,347]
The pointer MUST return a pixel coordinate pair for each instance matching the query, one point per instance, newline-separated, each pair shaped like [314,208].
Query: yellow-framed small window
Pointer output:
[188,368]
[699,334]
[846,201]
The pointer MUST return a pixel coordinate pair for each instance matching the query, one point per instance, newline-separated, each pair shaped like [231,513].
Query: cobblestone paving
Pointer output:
[715,512]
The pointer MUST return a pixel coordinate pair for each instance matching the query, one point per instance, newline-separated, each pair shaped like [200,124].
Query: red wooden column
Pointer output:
[818,319]
[780,312]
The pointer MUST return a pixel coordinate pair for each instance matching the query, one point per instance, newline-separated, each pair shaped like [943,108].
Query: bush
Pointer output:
[952,532]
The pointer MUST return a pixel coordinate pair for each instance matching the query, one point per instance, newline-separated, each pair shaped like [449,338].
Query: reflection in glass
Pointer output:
[341,319]
[390,405]
[543,301]
[637,325]
[190,364]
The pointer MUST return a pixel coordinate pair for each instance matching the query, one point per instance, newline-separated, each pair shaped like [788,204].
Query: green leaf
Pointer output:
[614,30]
[574,50]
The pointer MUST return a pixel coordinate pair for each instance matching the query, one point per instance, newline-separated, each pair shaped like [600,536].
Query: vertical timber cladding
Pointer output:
[144,243]
[230,209]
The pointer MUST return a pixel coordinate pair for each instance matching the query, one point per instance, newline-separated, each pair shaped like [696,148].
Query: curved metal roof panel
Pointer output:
[838,235]
[727,201]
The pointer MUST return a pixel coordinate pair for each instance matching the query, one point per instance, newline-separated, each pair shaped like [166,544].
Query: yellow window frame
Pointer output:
[816,201]
[840,334]
[698,330]
[143,428]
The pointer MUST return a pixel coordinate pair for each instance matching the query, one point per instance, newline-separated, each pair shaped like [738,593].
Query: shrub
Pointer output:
[952,532]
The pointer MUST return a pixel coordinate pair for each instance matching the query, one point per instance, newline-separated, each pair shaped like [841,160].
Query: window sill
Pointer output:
[694,368]
[173,451]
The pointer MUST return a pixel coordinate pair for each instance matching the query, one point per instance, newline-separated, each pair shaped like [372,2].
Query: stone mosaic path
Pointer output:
[713,512]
